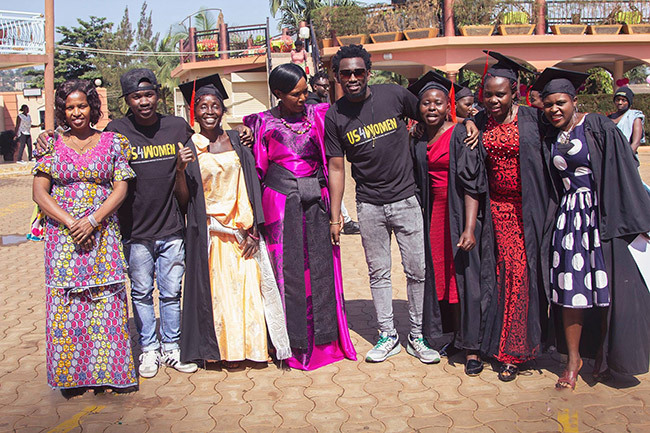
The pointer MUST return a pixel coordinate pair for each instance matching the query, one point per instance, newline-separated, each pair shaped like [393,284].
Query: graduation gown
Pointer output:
[623,213]
[198,340]
[475,269]
[536,197]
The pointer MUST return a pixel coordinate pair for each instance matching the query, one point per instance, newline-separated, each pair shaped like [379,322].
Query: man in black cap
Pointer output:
[151,219]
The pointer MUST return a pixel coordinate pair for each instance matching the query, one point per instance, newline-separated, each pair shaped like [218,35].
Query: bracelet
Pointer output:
[92,221]
[335,223]
[255,238]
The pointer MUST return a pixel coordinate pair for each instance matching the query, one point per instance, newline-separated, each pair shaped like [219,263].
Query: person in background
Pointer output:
[23,134]
[367,126]
[602,208]
[299,54]
[465,102]
[452,187]
[535,99]
[519,202]
[79,183]
[320,89]
[627,119]
[320,85]
[290,158]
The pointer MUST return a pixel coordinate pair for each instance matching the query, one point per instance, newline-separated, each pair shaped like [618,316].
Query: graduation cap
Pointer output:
[556,80]
[506,67]
[465,91]
[210,85]
[433,80]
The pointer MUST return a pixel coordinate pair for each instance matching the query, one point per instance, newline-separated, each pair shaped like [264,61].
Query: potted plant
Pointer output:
[349,24]
[206,48]
[384,25]
[420,19]
[632,21]
[474,17]
[515,23]
[608,26]
[322,22]
[572,10]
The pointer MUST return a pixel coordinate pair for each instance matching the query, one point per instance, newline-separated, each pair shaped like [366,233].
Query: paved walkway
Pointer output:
[400,394]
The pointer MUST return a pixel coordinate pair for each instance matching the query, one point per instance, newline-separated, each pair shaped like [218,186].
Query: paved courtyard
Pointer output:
[398,395]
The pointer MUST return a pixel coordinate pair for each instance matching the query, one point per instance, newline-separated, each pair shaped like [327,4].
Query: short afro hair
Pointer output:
[318,76]
[350,52]
[70,86]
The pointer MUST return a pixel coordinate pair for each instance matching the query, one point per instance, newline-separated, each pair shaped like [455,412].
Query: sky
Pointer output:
[165,12]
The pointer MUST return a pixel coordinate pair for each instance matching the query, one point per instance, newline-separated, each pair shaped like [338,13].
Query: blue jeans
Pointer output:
[163,259]
[377,222]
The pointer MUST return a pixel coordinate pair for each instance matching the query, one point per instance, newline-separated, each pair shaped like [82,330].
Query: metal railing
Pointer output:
[246,41]
[242,41]
[22,33]
[592,11]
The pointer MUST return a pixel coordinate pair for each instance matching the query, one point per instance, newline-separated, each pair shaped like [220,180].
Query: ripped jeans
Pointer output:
[377,222]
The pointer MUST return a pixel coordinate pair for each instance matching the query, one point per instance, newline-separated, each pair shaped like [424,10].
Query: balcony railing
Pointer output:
[229,42]
[592,12]
[22,33]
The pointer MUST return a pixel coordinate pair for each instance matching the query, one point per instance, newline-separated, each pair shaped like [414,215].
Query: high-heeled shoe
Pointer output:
[568,379]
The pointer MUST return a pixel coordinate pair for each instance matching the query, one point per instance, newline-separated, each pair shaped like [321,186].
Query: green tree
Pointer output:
[638,75]
[111,66]
[599,81]
[162,66]
[294,11]
[382,77]
[144,32]
[76,63]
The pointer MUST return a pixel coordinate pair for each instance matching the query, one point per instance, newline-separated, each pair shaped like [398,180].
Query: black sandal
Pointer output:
[473,367]
[508,372]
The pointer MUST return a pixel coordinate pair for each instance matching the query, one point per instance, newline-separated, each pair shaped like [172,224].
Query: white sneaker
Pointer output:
[172,358]
[149,362]
[388,345]
[418,347]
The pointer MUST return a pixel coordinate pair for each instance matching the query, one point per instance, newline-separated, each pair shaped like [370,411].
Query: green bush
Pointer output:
[603,104]
[514,17]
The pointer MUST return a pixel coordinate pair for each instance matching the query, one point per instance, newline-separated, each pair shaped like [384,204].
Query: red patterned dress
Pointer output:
[439,233]
[502,144]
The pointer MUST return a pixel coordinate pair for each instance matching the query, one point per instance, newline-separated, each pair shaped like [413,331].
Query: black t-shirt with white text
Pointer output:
[373,136]
[150,211]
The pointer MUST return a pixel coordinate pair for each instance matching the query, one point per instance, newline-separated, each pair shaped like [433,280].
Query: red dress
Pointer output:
[502,144]
[439,234]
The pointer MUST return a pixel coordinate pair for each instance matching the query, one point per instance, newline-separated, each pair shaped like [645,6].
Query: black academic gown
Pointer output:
[536,198]
[198,339]
[474,269]
[623,213]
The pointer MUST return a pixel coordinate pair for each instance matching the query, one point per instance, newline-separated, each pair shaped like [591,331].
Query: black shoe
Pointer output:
[351,228]
[473,367]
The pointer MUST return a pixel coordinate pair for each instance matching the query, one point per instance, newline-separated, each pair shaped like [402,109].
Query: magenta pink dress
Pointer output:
[303,155]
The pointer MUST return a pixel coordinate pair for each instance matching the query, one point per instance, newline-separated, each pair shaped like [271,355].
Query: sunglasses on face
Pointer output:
[347,73]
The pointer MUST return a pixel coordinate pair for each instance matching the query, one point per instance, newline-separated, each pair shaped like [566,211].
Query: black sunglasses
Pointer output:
[347,73]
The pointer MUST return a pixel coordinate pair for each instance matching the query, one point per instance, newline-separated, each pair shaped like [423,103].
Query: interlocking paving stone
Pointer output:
[401,394]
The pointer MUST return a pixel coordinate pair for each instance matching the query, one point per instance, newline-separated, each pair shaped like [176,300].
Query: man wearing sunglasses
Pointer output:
[367,126]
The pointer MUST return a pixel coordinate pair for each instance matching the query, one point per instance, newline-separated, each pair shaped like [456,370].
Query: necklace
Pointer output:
[303,128]
[81,144]
[566,135]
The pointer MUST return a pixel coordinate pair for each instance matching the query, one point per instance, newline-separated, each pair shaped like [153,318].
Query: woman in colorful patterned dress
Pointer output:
[519,198]
[452,189]
[79,184]
[291,164]
[602,209]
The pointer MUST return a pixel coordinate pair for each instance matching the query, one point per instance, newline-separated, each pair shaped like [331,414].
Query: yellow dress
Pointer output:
[238,310]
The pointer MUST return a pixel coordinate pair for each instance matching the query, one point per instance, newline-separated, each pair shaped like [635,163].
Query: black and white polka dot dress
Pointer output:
[578,275]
